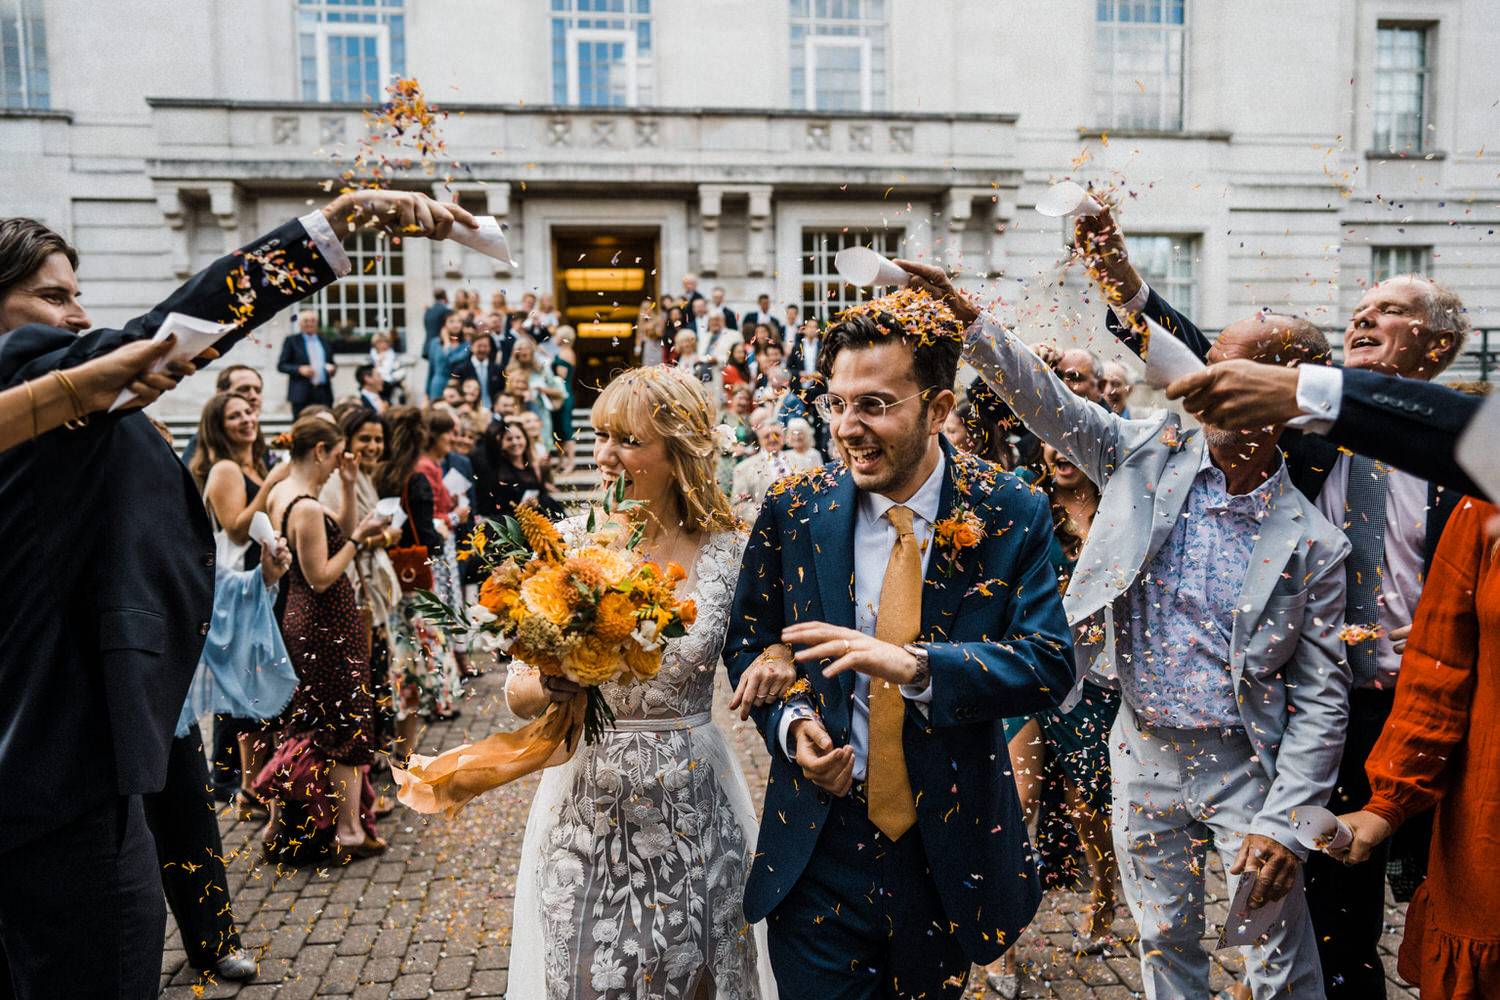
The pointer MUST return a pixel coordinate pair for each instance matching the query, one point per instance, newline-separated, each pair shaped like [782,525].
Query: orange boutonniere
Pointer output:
[964,530]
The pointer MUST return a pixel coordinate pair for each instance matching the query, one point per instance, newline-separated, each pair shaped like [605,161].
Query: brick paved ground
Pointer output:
[431,918]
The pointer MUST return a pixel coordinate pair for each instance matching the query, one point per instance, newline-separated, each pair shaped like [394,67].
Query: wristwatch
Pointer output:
[924,670]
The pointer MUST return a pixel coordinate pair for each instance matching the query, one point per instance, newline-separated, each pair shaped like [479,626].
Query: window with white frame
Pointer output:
[349,49]
[1390,262]
[1140,52]
[371,297]
[1402,87]
[824,293]
[1166,264]
[602,53]
[24,81]
[838,55]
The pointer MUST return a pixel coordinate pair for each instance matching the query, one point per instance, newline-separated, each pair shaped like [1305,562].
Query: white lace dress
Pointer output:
[632,873]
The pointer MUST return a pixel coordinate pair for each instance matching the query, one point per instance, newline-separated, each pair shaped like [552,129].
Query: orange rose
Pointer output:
[965,537]
[688,612]
[643,663]
[592,662]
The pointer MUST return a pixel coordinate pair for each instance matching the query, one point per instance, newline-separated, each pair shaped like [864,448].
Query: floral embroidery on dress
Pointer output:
[643,873]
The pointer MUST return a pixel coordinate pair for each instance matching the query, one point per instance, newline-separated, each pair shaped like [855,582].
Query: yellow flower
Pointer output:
[615,619]
[592,662]
[546,594]
[540,533]
[611,564]
[643,663]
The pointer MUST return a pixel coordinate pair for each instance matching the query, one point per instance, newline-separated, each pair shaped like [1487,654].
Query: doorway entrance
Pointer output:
[601,280]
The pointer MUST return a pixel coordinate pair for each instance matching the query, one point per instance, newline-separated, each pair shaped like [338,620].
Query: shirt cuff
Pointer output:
[328,244]
[796,708]
[1138,300]
[1320,390]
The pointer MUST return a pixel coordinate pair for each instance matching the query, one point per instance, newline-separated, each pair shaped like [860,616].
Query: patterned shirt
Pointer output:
[1181,610]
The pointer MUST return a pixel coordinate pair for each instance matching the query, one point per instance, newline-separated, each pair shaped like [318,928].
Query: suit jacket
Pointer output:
[300,388]
[999,647]
[756,316]
[730,322]
[99,647]
[1285,654]
[1410,423]
[495,376]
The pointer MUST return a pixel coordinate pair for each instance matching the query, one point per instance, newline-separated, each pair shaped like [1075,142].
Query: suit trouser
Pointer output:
[81,911]
[1176,791]
[1347,902]
[864,920]
[190,855]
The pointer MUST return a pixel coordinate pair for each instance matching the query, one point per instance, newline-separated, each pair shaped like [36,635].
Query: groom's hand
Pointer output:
[851,649]
[829,767]
[764,681]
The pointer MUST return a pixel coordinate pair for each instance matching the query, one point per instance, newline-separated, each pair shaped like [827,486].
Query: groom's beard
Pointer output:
[900,453]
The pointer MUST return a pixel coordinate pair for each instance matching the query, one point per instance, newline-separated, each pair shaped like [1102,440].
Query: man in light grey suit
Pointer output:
[1216,592]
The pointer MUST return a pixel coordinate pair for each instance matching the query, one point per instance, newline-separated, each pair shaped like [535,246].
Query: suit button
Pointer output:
[822,797]
[208,561]
[203,629]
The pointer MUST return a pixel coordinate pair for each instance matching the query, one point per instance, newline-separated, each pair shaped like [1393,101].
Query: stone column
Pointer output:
[710,206]
[758,258]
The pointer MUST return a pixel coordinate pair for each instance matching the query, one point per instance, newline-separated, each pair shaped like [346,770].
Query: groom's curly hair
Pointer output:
[934,358]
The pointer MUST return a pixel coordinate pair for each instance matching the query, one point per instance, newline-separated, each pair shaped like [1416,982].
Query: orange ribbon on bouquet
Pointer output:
[448,781]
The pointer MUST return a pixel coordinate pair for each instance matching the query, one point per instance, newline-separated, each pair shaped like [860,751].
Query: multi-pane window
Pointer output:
[1401,88]
[824,293]
[349,49]
[371,297]
[1390,262]
[24,82]
[1166,264]
[1140,51]
[602,53]
[838,55]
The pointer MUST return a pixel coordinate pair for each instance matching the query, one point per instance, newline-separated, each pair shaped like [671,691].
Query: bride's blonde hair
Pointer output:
[664,402]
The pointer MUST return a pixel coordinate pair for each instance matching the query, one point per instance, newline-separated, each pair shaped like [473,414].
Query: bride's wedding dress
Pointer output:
[633,868]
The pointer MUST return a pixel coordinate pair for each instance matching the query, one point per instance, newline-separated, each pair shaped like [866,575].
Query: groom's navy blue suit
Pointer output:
[999,647]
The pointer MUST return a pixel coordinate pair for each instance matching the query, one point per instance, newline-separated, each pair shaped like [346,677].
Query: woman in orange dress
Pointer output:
[1441,746]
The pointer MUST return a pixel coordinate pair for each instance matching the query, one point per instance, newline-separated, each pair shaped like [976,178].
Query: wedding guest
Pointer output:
[433,319]
[376,588]
[736,370]
[1183,596]
[424,675]
[1117,388]
[802,456]
[371,388]
[756,474]
[718,308]
[971,431]
[483,369]
[517,474]
[329,736]
[1438,748]
[242,381]
[527,377]
[445,355]
[736,438]
[564,364]
[648,334]
[640,871]
[391,365]
[543,321]
[307,362]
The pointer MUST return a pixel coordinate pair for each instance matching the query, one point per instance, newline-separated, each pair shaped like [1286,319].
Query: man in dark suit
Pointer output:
[99,648]
[370,384]
[1409,327]
[762,314]
[307,361]
[893,852]
[482,367]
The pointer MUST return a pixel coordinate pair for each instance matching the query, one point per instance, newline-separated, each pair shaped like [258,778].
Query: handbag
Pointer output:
[410,562]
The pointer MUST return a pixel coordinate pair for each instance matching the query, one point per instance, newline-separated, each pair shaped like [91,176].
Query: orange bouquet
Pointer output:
[591,612]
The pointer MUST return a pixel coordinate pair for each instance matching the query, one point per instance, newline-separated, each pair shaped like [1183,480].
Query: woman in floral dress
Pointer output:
[633,868]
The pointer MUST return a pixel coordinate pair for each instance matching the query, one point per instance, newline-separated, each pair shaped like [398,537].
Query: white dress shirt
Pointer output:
[874,538]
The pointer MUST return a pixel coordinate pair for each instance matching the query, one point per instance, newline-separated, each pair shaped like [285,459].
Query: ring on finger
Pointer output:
[846,647]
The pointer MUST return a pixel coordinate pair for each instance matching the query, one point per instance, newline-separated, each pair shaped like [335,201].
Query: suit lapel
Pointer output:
[941,590]
[1171,493]
[831,524]
[1280,534]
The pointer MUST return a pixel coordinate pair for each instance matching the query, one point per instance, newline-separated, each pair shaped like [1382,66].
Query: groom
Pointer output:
[915,586]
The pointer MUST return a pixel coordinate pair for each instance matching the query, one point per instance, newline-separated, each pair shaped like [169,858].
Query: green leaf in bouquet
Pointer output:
[436,610]
[673,631]
[589,527]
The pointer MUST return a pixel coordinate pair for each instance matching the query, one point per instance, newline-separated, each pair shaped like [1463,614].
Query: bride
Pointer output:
[633,867]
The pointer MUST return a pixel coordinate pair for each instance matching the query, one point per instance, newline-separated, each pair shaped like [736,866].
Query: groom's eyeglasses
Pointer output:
[868,409]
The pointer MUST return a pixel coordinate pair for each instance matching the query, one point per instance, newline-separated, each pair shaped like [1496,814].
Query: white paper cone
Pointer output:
[1317,829]
[1476,452]
[488,239]
[864,267]
[261,530]
[1067,198]
[1167,358]
[194,336]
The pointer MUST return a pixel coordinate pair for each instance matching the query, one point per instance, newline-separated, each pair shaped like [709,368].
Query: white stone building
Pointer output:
[1272,153]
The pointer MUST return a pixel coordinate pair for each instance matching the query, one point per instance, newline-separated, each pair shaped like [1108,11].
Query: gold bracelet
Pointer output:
[31,395]
[81,419]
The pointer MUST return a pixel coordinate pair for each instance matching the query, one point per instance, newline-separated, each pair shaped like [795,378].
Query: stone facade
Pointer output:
[178,130]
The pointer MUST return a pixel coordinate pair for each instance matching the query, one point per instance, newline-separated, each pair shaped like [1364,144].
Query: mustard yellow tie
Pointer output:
[898,620]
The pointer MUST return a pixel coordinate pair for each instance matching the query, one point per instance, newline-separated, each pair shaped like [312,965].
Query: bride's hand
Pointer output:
[766,680]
